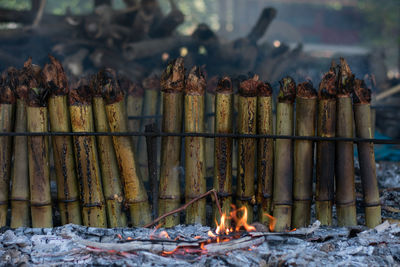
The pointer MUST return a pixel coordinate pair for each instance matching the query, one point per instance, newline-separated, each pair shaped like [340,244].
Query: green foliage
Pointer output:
[15,4]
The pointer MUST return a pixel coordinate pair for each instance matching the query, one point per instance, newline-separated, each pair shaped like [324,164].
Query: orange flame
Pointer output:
[242,221]
[272,222]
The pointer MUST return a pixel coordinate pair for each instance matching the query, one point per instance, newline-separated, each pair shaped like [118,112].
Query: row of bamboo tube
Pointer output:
[99,177]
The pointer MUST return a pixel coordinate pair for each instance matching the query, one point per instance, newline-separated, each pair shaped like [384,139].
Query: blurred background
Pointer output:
[272,38]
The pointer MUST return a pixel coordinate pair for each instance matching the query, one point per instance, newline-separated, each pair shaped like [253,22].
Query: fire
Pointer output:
[242,221]
[272,222]
[222,227]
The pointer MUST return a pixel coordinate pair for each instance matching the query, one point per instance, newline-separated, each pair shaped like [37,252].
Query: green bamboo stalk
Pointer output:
[247,124]
[38,148]
[172,84]
[63,152]
[306,109]
[265,153]
[325,149]
[86,157]
[283,164]
[135,192]
[112,185]
[344,171]
[7,106]
[151,86]
[366,155]
[195,167]
[134,105]
[223,148]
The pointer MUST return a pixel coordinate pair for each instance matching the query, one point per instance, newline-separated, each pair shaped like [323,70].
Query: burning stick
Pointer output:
[38,148]
[112,186]
[135,192]
[93,210]
[366,155]
[306,108]
[55,82]
[325,149]
[247,124]
[20,213]
[223,147]
[345,187]
[151,87]
[265,157]
[195,167]
[7,106]
[134,104]
[172,83]
[283,165]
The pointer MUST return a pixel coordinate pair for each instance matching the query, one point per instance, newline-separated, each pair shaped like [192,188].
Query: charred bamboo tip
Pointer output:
[287,91]
[195,82]
[362,94]
[306,90]
[264,89]
[108,83]
[327,87]
[130,88]
[82,95]
[225,86]
[37,97]
[28,63]
[7,95]
[346,79]
[212,84]
[173,77]
[151,83]
[54,77]
[248,88]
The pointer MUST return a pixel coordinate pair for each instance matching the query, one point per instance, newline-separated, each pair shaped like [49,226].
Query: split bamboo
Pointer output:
[7,106]
[55,82]
[366,155]
[38,148]
[247,124]
[223,147]
[195,167]
[325,171]
[344,171]
[306,109]
[283,164]
[172,84]
[265,153]
[87,163]
[111,180]
[135,192]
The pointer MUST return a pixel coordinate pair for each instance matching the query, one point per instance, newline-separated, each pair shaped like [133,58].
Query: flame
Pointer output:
[211,234]
[242,221]
[272,222]
[222,227]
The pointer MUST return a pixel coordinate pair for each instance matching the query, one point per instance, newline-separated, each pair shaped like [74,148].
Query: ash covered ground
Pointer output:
[312,246]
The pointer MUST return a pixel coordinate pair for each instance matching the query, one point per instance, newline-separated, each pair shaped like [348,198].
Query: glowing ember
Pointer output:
[164,234]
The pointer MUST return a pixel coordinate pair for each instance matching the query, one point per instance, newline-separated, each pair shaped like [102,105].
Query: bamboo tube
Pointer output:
[366,155]
[283,164]
[172,84]
[247,124]
[306,109]
[111,180]
[265,153]
[38,148]
[344,171]
[223,147]
[195,181]
[67,184]
[135,192]
[134,106]
[87,163]
[325,171]
[7,106]
[210,121]
[151,87]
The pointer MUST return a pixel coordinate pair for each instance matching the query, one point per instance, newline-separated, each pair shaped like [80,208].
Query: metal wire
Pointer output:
[207,135]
